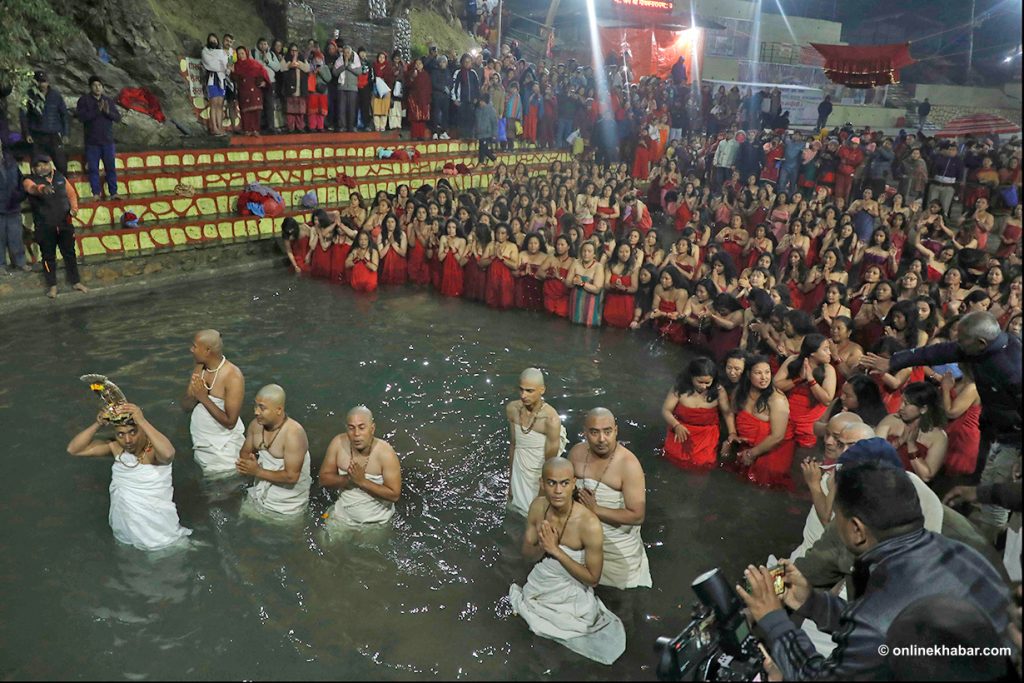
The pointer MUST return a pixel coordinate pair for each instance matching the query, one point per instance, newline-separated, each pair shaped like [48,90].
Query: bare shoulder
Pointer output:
[578,451]
[589,525]
[628,460]
[234,372]
[778,401]
[384,451]
[537,509]
[548,410]
[512,409]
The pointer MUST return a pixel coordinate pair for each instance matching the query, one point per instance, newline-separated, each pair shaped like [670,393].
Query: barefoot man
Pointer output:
[365,469]
[276,453]
[537,435]
[142,512]
[558,600]
[612,485]
[214,395]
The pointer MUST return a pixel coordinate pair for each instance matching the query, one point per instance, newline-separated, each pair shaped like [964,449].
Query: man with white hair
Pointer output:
[276,453]
[536,435]
[995,360]
[366,471]
[214,396]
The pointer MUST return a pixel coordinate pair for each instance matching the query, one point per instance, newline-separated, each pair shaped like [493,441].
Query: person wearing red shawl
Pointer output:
[548,119]
[418,100]
[691,410]
[250,77]
[773,152]
[316,101]
[643,156]
[380,106]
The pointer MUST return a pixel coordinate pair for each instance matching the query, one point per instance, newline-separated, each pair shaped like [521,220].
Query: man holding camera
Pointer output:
[898,562]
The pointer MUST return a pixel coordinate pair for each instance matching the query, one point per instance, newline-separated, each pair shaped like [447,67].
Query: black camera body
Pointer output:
[717,644]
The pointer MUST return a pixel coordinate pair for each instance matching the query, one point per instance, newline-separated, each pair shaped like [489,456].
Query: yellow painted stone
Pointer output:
[160,237]
[111,242]
[218,158]
[160,208]
[91,246]
[177,236]
[145,241]
[135,162]
[165,184]
[266,226]
[101,215]
[225,231]
[305,153]
[206,205]
[203,159]
[238,157]
[275,155]
[188,160]
[130,242]
[210,232]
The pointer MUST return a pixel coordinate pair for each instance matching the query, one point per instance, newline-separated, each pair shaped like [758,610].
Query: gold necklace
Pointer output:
[216,372]
[536,413]
[586,465]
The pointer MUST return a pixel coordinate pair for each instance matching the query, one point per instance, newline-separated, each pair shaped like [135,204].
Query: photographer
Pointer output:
[898,562]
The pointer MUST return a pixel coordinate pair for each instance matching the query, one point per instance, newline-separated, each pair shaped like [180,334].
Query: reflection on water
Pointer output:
[252,599]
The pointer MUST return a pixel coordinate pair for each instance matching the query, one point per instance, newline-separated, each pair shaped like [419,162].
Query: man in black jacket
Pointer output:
[44,122]
[824,111]
[11,197]
[897,564]
[54,203]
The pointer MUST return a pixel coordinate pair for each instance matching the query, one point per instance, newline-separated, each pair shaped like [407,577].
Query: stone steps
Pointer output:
[106,215]
[271,172]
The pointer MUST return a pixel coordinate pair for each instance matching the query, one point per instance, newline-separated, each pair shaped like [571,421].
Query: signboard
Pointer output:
[196,76]
[664,6]
[801,102]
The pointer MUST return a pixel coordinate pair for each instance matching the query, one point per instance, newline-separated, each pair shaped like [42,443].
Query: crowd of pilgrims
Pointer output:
[774,290]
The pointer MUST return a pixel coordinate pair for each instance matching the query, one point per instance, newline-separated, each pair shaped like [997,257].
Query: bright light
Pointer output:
[603,96]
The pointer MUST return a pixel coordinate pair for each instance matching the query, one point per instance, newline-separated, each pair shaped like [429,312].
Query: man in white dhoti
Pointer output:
[215,393]
[365,470]
[558,600]
[612,485]
[536,435]
[142,512]
[276,453]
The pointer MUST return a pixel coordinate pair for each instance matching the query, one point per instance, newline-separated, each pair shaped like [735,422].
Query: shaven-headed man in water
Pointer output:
[566,542]
[612,485]
[215,393]
[366,471]
[536,435]
[276,453]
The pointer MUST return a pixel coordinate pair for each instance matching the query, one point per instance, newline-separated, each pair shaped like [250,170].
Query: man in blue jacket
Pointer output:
[98,113]
[11,197]
[44,122]
[794,145]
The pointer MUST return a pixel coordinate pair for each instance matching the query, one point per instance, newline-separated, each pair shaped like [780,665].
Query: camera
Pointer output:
[717,644]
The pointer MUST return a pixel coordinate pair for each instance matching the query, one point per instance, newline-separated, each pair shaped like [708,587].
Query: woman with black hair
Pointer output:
[451,253]
[643,300]
[891,385]
[833,307]
[474,274]
[722,272]
[668,305]
[556,270]
[320,242]
[295,243]
[501,257]
[691,410]
[869,321]
[962,404]
[529,278]
[755,320]
[419,238]
[586,298]
[828,272]
[620,284]
[901,322]
[697,314]
[793,278]
[809,381]
[362,263]
[845,353]
[860,395]
[762,422]
[726,325]
[393,247]
[917,431]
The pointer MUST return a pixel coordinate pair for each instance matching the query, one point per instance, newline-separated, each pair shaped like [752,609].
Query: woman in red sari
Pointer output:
[620,283]
[809,382]
[533,105]
[393,246]
[418,238]
[250,77]
[451,253]
[529,277]
[762,427]
[474,276]
[321,240]
[556,290]
[501,257]
[670,299]
[362,263]
[692,410]
[418,93]
[344,237]
[295,240]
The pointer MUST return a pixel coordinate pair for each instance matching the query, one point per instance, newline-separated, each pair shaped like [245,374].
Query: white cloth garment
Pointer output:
[527,464]
[284,499]
[1011,555]
[557,606]
[216,448]
[931,508]
[625,557]
[356,507]
[142,511]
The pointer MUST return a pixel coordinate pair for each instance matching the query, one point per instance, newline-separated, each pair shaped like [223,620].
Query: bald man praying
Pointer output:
[276,453]
[215,393]
[365,470]
[536,435]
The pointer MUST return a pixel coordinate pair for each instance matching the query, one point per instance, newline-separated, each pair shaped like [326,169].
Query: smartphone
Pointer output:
[952,368]
[778,574]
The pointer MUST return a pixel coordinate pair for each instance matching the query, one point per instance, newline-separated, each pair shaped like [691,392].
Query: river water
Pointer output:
[251,600]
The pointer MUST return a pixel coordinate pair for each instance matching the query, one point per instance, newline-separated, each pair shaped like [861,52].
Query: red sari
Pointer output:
[418,268]
[418,102]
[556,294]
[964,440]
[892,398]
[393,269]
[501,286]
[339,254]
[320,264]
[474,280]
[618,306]
[734,249]
[529,292]
[673,330]
[300,248]
[607,211]
[772,468]
[700,450]
[804,411]
[723,341]
[451,276]
[362,278]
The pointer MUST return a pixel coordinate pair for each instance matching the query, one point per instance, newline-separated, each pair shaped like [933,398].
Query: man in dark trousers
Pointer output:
[98,113]
[824,111]
[923,110]
[44,122]
[54,202]
[11,197]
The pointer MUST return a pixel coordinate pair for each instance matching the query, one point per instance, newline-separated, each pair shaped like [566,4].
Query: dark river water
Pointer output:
[251,600]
